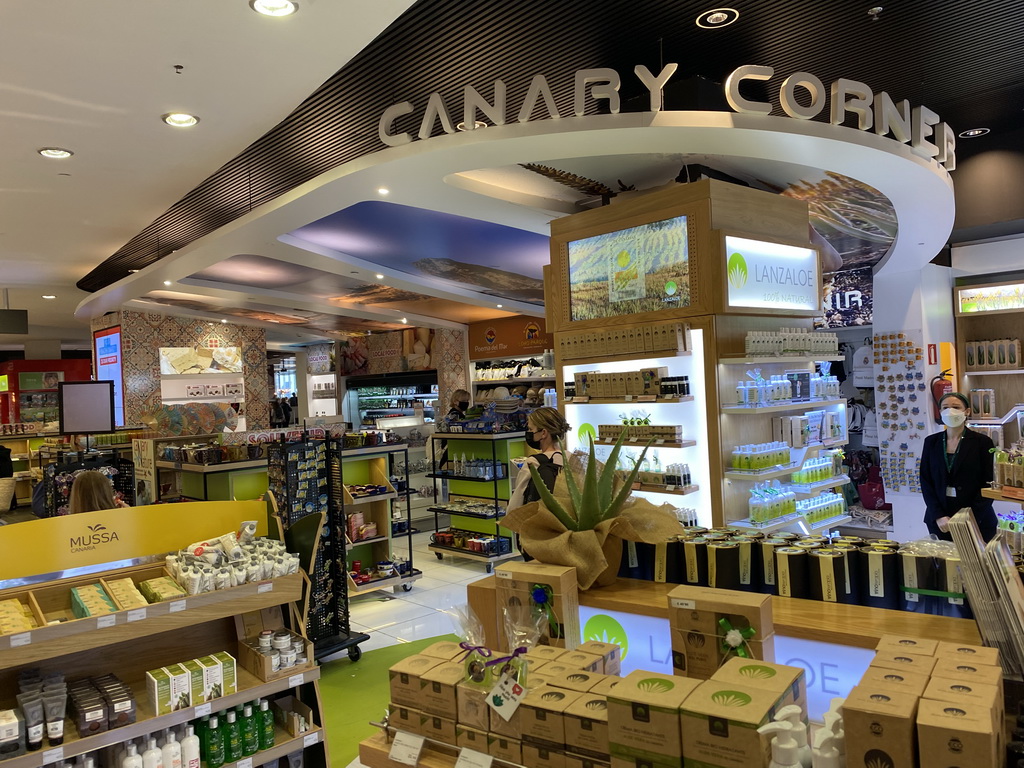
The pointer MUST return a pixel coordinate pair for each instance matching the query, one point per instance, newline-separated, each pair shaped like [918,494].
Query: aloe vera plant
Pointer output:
[597,499]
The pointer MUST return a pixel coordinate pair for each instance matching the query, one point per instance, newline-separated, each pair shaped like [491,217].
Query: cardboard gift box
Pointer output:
[977,653]
[579,761]
[437,728]
[955,733]
[698,637]
[248,627]
[472,706]
[538,756]
[579,681]
[471,738]
[787,684]
[586,726]
[720,722]
[404,718]
[610,653]
[904,661]
[517,586]
[503,748]
[880,727]
[542,716]
[968,671]
[900,644]
[444,650]
[438,686]
[644,719]
[404,678]
[901,680]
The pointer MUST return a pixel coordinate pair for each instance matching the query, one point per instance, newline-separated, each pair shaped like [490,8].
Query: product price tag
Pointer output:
[54,755]
[406,748]
[295,680]
[106,621]
[505,697]
[25,638]
[175,606]
[660,441]
[311,739]
[137,615]
[629,398]
[266,586]
[470,758]
[686,605]
[244,763]
[202,710]
[647,398]
[503,574]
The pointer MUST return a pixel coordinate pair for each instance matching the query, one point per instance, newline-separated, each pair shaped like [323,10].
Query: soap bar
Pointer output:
[160,589]
[126,594]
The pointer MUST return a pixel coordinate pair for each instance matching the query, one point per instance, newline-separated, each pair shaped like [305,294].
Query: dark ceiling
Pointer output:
[962,60]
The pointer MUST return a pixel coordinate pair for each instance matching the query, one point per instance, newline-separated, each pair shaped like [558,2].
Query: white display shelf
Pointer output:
[995,372]
[788,405]
[728,360]
[431,396]
[810,490]
[669,490]
[629,400]
[615,357]
[769,473]
[517,380]
[832,522]
[782,523]
[205,469]
[221,399]
[375,584]
[654,443]
[357,500]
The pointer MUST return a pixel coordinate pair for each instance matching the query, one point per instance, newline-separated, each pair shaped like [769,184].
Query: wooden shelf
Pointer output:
[654,443]
[769,473]
[249,688]
[744,360]
[82,634]
[471,554]
[789,405]
[992,493]
[637,399]
[478,436]
[672,490]
[445,511]
[654,354]
[519,380]
[352,501]
[810,490]
[206,469]
[995,372]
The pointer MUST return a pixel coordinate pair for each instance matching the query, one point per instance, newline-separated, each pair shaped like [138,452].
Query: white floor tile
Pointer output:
[437,594]
[423,627]
[380,615]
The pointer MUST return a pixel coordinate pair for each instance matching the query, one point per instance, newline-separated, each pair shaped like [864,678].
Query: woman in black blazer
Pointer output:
[955,465]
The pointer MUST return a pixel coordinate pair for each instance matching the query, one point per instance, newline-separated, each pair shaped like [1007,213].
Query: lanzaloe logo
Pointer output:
[737,269]
[605,629]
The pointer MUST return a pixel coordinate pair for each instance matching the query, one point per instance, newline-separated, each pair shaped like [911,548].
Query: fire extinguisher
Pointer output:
[941,386]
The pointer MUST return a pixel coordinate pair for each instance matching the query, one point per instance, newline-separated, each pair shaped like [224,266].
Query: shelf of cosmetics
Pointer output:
[212,452]
[646,384]
[991,355]
[660,339]
[772,503]
[761,460]
[504,370]
[470,541]
[791,342]
[780,389]
[472,469]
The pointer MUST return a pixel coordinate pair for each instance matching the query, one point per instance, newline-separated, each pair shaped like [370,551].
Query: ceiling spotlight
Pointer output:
[498,306]
[223,319]
[405,320]
[49,296]
[132,271]
[873,12]
[179,119]
[274,7]
[461,126]
[717,18]
[55,153]
[383,191]
[167,282]
[974,133]
[380,276]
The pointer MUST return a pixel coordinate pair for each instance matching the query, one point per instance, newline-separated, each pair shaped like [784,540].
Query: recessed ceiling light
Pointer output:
[384,191]
[179,119]
[498,306]
[380,276]
[132,271]
[461,126]
[167,282]
[974,133]
[223,319]
[274,7]
[405,320]
[55,153]
[49,296]
[717,18]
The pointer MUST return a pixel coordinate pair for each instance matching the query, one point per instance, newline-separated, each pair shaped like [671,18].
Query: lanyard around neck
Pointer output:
[950,460]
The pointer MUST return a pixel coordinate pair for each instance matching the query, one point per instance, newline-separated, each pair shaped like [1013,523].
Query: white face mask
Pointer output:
[952,417]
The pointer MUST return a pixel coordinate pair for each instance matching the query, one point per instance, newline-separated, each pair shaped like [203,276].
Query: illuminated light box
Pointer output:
[767,275]
[640,269]
[1008,297]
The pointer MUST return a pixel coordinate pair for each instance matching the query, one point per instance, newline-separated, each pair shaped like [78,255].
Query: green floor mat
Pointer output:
[356,692]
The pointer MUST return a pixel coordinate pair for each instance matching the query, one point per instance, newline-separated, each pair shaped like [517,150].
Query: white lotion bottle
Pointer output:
[132,759]
[793,715]
[825,754]
[189,749]
[784,749]
[171,751]
[153,757]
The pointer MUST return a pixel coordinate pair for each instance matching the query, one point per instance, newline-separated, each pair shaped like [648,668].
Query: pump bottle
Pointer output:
[265,725]
[792,714]
[232,739]
[784,749]
[190,748]
[250,732]
[152,757]
[826,755]
[171,751]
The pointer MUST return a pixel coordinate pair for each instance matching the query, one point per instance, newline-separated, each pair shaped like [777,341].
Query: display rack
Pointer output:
[371,400]
[532,375]
[496,450]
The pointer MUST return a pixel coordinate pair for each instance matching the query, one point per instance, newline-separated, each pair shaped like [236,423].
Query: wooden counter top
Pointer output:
[854,625]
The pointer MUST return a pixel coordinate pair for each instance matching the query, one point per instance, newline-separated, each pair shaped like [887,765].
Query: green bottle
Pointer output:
[250,732]
[232,739]
[213,745]
[265,725]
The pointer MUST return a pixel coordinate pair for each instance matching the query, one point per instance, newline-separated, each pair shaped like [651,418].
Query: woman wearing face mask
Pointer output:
[545,429]
[956,465]
[459,404]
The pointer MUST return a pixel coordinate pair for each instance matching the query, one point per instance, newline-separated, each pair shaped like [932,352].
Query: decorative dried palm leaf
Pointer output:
[571,180]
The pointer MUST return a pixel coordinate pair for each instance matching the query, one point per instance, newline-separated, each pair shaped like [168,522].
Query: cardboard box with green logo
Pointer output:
[472,706]
[504,748]
[551,589]
[471,738]
[404,718]
[880,727]
[955,734]
[437,728]
[901,680]
[537,756]
[787,684]
[578,761]
[578,680]
[586,726]
[541,716]
[437,694]
[610,653]
[720,721]
[644,719]
[444,650]
[404,678]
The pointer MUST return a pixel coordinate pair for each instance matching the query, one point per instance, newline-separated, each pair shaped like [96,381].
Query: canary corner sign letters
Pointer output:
[763,274]
[918,126]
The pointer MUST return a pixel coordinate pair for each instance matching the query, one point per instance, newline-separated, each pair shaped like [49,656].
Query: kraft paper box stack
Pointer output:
[549,588]
[645,720]
[696,617]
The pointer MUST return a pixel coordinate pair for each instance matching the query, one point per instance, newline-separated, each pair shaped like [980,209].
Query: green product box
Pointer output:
[196,676]
[158,686]
[228,671]
[213,678]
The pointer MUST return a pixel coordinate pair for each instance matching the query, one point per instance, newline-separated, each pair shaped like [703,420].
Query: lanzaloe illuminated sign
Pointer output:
[771,275]
[991,298]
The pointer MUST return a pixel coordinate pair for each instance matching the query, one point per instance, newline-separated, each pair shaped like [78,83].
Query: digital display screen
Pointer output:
[640,269]
[108,366]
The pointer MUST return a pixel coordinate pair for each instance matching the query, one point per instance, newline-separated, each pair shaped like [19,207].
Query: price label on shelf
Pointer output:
[176,605]
[203,710]
[25,638]
[629,398]
[54,755]
[106,621]
[266,586]
[647,398]
[295,680]
[310,739]
[244,763]
[406,748]
[137,615]
[660,441]
[470,758]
